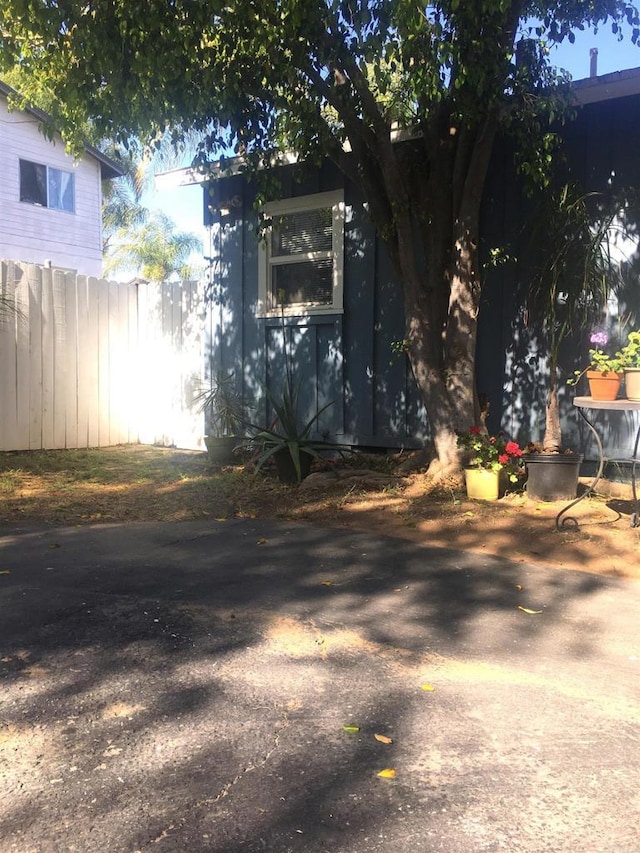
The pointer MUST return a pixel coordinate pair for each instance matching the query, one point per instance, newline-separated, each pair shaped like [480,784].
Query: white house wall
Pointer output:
[33,234]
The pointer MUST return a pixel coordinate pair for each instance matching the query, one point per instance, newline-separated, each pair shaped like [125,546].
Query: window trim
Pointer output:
[333,199]
[48,169]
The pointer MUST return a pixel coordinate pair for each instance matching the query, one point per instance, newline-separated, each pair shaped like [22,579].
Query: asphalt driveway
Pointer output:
[219,687]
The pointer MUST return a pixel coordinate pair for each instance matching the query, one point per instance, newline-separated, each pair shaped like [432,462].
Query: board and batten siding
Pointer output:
[86,362]
[344,359]
[33,234]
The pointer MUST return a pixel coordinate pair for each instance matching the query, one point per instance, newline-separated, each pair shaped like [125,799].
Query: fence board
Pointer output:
[92,363]
[23,303]
[60,365]
[70,391]
[8,332]
[34,357]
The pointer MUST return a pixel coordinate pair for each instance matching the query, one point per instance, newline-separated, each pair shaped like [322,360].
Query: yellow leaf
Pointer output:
[262,541]
[527,610]
[5,572]
[383,738]
[387,773]
[351,729]
[427,687]
[327,583]
[221,518]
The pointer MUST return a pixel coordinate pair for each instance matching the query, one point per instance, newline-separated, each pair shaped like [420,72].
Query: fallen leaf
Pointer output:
[221,518]
[427,687]
[5,572]
[351,729]
[387,773]
[527,610]
[262,541]
[327,583]
[383,738]
[519,587]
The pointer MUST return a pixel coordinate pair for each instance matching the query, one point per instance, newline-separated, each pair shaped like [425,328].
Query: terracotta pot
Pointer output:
[632,383]
[482,485]
[604,386]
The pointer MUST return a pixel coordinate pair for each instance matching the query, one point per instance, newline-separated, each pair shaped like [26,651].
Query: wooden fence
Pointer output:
[86,362]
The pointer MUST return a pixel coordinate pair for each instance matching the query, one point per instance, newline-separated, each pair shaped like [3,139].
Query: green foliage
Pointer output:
[491,452]
[154,249]
[334,78]
[287,74]
[630,352]
[223,405]
[571,255]
[287,432]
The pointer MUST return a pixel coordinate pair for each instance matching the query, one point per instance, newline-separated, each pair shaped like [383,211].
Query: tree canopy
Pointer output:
[336,78]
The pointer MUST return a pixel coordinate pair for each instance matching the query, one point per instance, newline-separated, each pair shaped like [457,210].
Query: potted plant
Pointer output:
[487,458]
[630,358]
[225,418]
[569,289]
[604,372]
[287,440]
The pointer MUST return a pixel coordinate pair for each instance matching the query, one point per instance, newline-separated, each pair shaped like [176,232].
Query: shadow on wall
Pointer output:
[526,366]
[346,358]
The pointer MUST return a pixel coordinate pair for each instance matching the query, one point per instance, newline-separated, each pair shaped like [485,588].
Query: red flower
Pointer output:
[513,449]
[503,458]
[474,430]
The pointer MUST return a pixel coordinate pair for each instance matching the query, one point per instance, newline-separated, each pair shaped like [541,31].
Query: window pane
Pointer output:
[305,231]
[306,282]
[61,190]
[33,183]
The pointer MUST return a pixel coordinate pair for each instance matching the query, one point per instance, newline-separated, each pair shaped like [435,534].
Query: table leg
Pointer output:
[591,488]
[635,516]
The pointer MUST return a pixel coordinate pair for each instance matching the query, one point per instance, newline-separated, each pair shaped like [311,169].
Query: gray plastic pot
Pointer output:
[552,476]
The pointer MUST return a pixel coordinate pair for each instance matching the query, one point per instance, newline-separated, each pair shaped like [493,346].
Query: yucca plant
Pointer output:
[288,437]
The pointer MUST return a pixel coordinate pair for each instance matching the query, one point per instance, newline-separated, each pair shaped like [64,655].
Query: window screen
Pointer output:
[308,281]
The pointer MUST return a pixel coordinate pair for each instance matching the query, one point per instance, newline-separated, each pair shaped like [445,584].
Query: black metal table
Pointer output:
[582,403]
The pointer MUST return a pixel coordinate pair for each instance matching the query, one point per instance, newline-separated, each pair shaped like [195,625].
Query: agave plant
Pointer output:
[288,436]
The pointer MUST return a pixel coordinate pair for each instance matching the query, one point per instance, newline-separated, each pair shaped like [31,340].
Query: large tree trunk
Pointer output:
[442,304]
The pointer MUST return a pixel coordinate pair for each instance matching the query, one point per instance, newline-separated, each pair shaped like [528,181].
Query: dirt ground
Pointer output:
[128,484]
[513,527]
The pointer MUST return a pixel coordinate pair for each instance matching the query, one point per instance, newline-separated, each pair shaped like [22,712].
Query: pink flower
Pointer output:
[503,458]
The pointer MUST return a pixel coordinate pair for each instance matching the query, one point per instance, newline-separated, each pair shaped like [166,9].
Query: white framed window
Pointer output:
[301,255]
[46,186]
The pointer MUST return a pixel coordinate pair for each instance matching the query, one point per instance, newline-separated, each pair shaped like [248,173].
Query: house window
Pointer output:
[301,256]
[46,186]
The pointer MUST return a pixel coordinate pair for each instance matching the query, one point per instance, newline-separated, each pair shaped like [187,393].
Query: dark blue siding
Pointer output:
[348,358]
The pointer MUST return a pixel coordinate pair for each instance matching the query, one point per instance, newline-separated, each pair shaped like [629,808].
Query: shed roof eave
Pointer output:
[590,90]
[607,87]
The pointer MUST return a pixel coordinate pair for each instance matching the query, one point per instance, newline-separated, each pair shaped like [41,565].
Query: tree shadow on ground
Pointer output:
[185,687]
